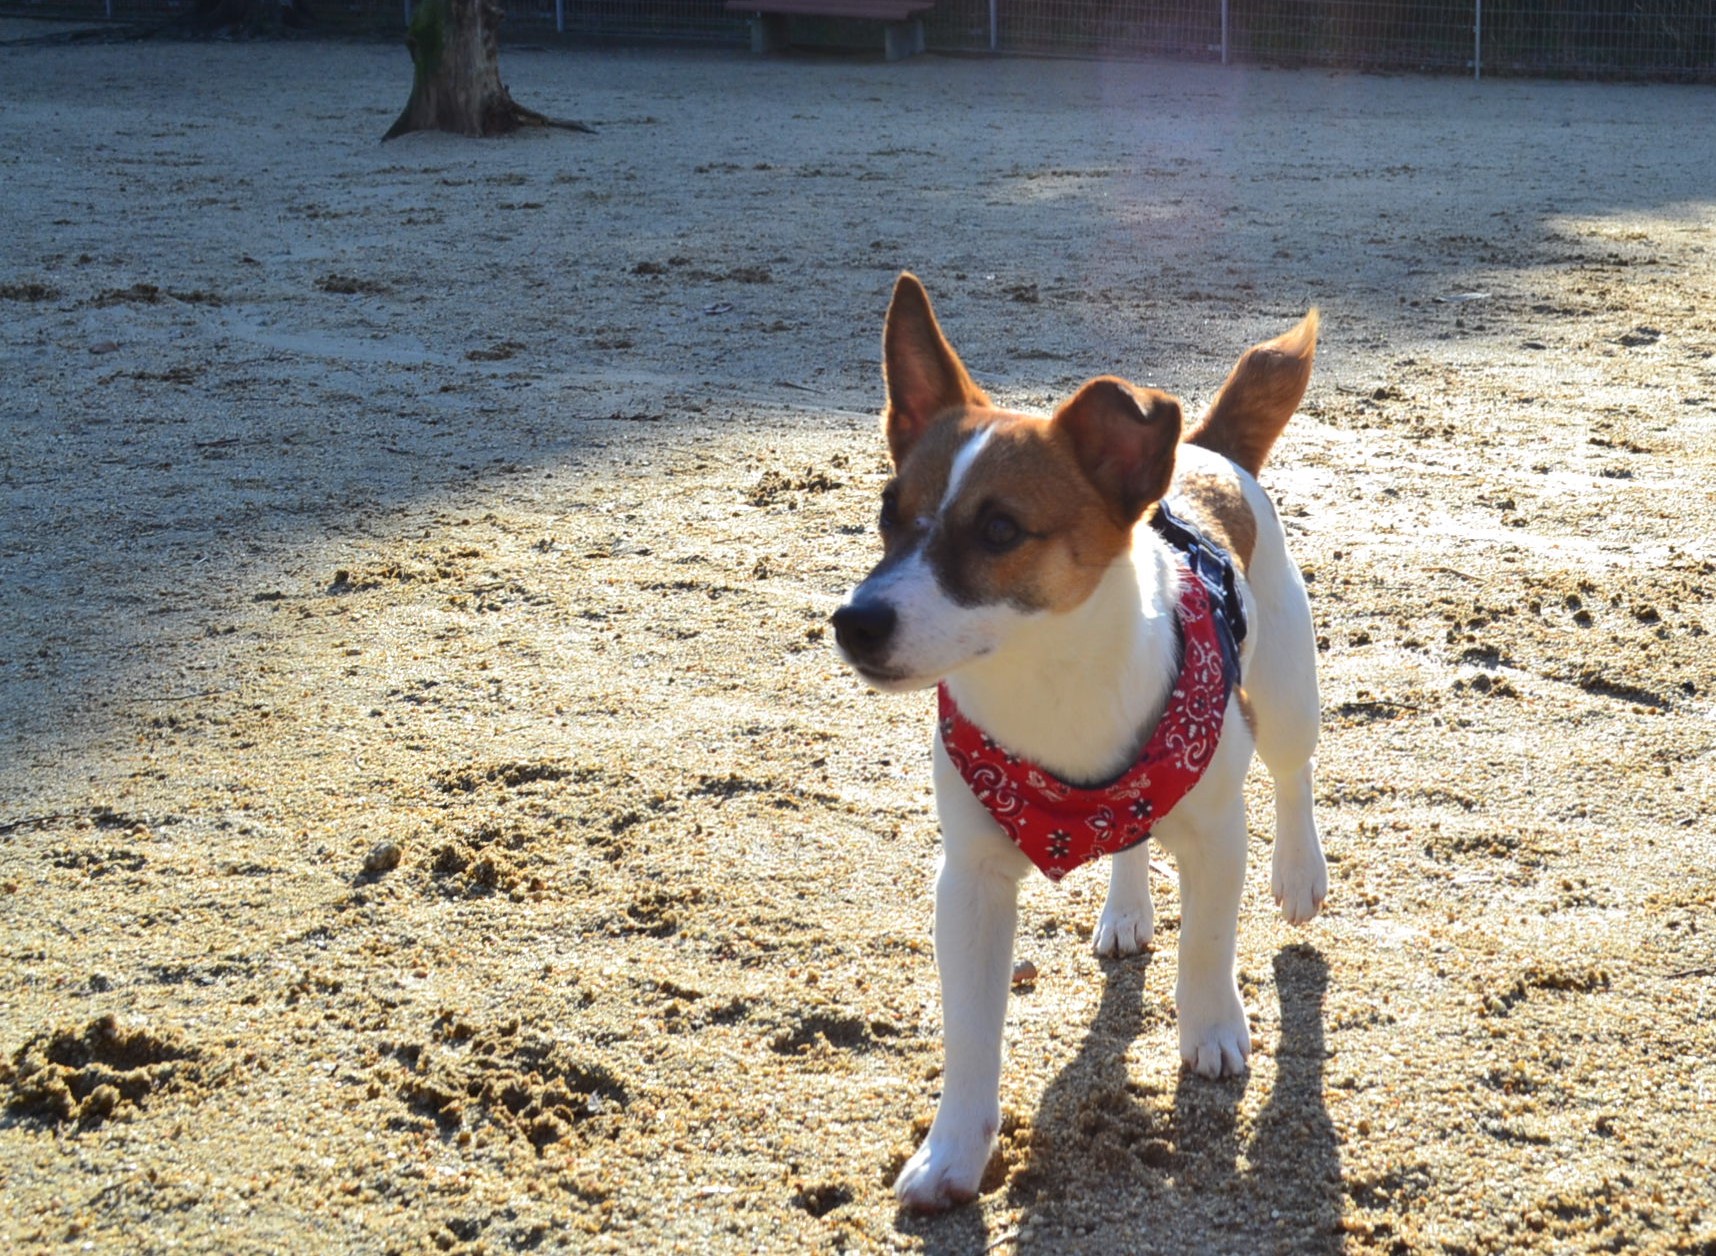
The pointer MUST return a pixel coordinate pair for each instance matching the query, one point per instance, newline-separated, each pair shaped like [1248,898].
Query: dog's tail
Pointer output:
[1259,396]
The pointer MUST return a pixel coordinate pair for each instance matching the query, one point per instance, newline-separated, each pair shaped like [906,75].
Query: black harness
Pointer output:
[1214,568]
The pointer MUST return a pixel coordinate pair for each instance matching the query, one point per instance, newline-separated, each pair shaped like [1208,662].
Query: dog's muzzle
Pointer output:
[864,630]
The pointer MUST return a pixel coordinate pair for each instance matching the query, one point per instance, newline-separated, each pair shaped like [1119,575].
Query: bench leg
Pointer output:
[769,32]
[902,39]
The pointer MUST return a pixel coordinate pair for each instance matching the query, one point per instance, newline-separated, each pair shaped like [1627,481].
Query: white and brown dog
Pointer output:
[1116,624]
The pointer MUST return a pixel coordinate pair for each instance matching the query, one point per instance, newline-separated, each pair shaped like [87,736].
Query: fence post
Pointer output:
[1224,32]
[560,17]
[994,26]
[1477,40]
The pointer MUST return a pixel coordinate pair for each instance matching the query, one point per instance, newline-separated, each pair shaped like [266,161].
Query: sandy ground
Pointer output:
[480,505]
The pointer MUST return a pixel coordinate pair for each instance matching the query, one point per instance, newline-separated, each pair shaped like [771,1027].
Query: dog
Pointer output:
[1108,607]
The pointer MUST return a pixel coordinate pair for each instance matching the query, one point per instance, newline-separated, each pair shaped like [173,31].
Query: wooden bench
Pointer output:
[902,20]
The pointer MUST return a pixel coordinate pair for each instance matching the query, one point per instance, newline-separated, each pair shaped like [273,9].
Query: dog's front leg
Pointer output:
[1128,916]
[1210,850]
[976,911]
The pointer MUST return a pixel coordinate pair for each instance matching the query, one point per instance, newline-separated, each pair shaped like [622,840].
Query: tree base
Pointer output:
[455,51]
[500,115]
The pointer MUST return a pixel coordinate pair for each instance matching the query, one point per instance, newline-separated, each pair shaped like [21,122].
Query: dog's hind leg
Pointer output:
[1128,916]
[1281,682]
[1298,872]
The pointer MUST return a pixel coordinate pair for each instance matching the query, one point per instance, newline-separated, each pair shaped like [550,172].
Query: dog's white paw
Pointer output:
[1299,884]
[1215,1040]
[945,1172]
[1122,931]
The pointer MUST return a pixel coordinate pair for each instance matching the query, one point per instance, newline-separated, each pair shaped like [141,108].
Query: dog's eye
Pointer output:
[889,517]
[1001,533]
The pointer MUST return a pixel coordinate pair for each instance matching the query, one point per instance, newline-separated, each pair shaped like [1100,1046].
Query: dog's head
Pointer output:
[992,518]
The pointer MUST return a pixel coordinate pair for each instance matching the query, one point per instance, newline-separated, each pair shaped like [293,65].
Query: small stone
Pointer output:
[102,1103]
[1024,973]
[384,856]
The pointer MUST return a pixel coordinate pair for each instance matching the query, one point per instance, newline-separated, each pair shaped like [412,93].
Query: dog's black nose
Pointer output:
[863,628]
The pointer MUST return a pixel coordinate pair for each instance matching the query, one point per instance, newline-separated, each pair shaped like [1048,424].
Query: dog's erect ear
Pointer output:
[924,375]
[1124,438]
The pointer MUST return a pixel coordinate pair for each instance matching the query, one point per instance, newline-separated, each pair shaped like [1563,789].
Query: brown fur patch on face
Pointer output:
[1067,537]
[1216,503]
[921,482]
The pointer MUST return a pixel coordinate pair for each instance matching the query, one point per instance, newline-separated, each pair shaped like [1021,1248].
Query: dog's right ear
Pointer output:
[924,375]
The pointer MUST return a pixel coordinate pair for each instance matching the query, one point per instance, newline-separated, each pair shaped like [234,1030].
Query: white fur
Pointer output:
[962,465]
[1075,693]
[933,634]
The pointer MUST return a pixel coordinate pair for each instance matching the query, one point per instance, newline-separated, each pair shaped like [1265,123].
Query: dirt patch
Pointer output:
[777,488]
[351,285]
[29,291]
[449,564]
[150,294]
[528,1088]
[86,1076]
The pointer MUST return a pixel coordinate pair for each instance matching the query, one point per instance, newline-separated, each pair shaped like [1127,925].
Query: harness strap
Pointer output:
[1214,567]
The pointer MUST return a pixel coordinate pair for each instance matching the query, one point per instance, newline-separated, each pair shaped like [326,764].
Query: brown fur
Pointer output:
[1259,396]
[1030,472]
[923,472]
[1068,482]
[1216,503]
[1077,483]
[1124,438]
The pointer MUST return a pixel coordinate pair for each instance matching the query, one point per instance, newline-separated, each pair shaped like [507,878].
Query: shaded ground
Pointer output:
[431,815]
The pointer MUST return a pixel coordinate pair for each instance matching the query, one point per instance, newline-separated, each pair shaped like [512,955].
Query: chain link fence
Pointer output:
[1617,39]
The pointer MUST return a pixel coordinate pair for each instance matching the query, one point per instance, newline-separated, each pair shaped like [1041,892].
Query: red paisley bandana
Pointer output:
[1061,826]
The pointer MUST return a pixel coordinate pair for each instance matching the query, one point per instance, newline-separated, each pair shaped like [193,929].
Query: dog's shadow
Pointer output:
[1117,1164]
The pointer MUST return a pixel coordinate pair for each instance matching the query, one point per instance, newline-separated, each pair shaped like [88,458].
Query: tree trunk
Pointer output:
[455,52]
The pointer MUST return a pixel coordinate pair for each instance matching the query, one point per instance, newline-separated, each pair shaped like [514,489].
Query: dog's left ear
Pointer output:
[924,375]
[1124,439]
